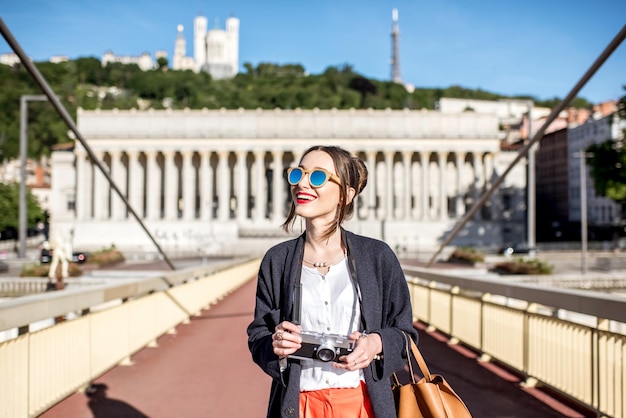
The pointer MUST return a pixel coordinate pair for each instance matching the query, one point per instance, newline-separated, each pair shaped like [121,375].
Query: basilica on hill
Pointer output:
[215,51]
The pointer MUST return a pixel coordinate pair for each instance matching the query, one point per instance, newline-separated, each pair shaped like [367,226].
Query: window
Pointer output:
[71,202]
[507,203]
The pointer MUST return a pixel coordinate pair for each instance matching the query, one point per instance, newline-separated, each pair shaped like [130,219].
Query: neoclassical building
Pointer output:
[213,181]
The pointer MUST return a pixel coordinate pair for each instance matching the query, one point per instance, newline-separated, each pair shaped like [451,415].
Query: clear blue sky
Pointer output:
[541,48]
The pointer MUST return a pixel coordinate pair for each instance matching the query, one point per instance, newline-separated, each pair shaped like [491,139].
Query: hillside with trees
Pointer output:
[83,82]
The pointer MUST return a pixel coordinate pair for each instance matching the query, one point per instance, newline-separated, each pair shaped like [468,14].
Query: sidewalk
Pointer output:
[205,370]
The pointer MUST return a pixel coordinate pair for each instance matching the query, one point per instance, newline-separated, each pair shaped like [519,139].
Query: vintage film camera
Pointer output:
[323,347]
[319,346]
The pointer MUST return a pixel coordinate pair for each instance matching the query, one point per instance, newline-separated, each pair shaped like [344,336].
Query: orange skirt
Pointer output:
[336,403]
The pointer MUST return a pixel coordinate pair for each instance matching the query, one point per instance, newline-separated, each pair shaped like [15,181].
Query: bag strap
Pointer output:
[411,348]
[396,381]
[418,358]
[408,360]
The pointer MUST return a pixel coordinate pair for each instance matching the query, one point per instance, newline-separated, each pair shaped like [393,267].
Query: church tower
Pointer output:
[199,41]
[180,49]
[232,36]
[222,56]
[215,51]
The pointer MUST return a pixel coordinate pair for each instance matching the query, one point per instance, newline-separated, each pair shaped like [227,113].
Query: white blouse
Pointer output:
[329,306]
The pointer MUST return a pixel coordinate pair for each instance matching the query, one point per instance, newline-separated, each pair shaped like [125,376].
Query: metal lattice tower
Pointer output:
[395,54]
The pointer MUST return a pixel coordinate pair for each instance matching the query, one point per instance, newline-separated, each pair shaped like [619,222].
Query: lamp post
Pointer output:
[583,208]
[23,151]
[531,190]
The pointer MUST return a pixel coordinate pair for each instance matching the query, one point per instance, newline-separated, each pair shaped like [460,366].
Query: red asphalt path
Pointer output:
[205,370]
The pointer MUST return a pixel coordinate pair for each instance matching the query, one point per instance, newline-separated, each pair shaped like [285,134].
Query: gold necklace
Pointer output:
[324,263]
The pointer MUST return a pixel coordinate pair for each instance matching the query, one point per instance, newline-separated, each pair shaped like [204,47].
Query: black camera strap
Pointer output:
[297,302]
[354,278]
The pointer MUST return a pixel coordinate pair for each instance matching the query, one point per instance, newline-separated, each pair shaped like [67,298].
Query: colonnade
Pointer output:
[243,186]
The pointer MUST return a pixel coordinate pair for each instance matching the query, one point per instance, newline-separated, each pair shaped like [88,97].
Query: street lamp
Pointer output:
[583,208]
[531,189]
[23,150]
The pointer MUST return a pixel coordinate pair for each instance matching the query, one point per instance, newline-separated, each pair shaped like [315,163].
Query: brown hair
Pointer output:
[353,174]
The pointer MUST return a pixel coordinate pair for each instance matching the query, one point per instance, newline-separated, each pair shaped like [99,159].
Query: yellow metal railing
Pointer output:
[38,369]
[520,327]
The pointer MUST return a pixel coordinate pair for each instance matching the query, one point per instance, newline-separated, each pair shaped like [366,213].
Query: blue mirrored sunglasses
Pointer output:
[317,177]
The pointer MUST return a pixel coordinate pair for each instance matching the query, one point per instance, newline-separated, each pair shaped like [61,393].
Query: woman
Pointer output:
[331,282]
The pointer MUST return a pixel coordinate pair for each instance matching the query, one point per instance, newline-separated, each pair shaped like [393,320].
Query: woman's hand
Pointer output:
[368,346]
[286,339]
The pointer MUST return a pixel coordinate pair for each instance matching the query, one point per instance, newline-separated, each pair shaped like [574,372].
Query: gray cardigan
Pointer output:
[386,307]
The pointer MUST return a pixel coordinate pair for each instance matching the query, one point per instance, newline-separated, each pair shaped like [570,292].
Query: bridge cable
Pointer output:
[555,112]
[58,106]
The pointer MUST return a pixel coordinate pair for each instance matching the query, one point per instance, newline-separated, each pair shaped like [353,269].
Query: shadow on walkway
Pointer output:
[103,407]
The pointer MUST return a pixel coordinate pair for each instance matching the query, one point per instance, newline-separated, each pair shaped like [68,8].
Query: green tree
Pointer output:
[90,71]
[162,63]
[608,163]
[577,102]
[85,83]
[607,169]
[9,207]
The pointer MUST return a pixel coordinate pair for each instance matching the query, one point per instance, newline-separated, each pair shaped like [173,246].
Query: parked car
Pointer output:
[8,233]
[511,249]
[77,256]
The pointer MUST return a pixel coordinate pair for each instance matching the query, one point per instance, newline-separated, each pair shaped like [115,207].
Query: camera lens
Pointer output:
[325,353]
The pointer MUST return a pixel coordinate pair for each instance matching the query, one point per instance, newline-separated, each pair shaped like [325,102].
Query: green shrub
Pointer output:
[41,270]
[106,257]
[466,255]
[523,266]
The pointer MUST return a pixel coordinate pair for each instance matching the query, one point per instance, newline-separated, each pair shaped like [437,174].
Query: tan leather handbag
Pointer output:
[430,397]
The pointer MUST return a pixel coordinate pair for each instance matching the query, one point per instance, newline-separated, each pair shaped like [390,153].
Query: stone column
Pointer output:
[488,170]
[81,186]
[153,186]
[242,187]
[406,160]
[460,167]
[443,192]
[389,196]
[89,187]
[260,197]
[171,186]
[278,196]
[189,186]
[297,156]
[100,186]
[425,185]
[477,185]
[206,186]
[117,205]
[135,183]
[223,186]
[370,209]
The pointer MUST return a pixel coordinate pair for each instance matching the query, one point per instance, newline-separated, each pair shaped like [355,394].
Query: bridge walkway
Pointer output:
[204,369]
